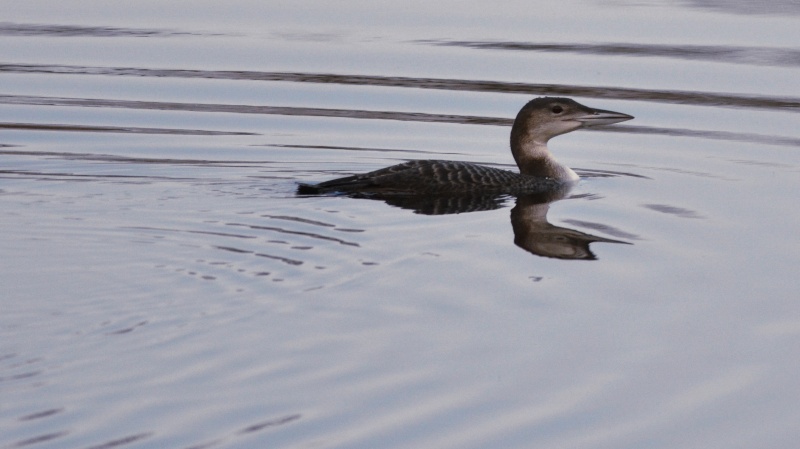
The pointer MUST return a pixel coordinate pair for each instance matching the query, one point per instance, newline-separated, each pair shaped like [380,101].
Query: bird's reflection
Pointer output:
[532,231]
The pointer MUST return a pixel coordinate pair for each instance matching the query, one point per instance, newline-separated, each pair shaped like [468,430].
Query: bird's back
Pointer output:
[434,177]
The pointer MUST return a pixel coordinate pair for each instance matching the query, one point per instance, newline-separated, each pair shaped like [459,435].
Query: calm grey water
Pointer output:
[161,285]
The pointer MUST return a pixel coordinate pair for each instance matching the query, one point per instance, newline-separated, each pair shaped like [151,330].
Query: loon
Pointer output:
[536,123]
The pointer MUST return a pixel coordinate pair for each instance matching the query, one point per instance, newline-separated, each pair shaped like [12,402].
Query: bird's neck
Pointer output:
[534,159]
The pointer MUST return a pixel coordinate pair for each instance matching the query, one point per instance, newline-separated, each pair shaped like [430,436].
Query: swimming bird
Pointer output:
[536,123]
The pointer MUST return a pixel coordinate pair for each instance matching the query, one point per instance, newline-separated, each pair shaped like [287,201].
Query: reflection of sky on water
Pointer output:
[153,247]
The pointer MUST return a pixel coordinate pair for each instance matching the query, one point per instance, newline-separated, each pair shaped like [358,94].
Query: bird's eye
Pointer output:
[557,109]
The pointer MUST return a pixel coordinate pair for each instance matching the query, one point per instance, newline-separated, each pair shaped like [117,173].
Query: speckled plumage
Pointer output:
[435,177]
[536,123]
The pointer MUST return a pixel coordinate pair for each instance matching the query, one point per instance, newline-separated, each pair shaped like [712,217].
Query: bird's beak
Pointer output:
[601,117]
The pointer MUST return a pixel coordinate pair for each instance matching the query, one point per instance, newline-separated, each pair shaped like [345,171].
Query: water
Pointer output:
[163,286]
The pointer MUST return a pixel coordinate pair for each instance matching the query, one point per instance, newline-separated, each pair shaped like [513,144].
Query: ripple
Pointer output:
[595,173]
[42,414]
[300,220]
[270,423]
[789,104]
[610,230]
[131,159]
[119,129]
[673,210]
[191,231]
[52,30]
[293,232]
[774,7]
[285,260]
[25,375]
[40,439]
[122,441]
[617,93]
[703,134]
[759,56]
[350,148]
[64,176]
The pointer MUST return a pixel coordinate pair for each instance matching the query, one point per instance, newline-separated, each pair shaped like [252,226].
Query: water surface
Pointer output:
[163,286]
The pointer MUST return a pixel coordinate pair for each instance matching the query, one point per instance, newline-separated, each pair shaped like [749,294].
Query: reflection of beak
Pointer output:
[600,117]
